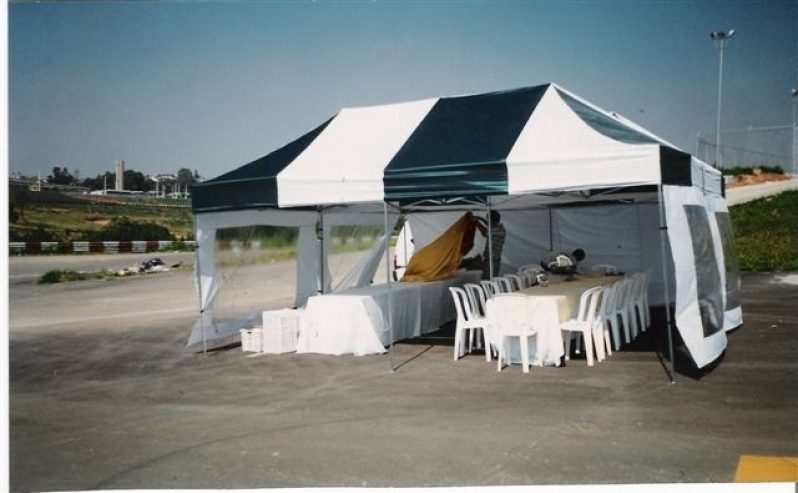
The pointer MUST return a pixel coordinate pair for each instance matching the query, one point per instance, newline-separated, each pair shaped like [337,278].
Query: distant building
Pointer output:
[120,175]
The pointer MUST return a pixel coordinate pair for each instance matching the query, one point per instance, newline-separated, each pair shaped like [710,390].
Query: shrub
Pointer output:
[752,170]
[58,275]
[123,229]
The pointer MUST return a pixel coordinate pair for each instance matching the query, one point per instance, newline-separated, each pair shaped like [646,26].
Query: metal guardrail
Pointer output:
[96,246]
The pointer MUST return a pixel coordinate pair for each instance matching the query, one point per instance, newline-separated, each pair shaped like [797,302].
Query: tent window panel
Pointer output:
[355,254]
[240,253]
[729,260]
[710,300]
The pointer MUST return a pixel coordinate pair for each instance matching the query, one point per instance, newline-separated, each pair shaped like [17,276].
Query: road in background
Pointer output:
[740,195]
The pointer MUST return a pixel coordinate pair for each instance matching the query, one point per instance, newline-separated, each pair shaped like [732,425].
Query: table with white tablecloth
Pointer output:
[365,320]
[560,302]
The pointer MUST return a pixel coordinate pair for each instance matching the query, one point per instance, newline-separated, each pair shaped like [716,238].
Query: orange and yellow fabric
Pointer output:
[441,258]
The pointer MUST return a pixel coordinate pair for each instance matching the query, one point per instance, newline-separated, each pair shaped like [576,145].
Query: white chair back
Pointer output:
[621,308]
[510,315]
[607,313]
[462,304]
[476,294]
[466,325]
[519,282]
[588,324]
[533,268]
[490,287]
[589,305]
[606,269]
[505,285]
[639,300]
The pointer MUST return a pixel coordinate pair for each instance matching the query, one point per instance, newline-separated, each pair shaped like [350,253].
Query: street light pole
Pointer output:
[794,133]
[721,37]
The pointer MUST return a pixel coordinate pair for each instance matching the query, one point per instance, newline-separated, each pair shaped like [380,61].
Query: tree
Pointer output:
[19,198]
[135,180]
[185,177]
[105,180]
[61,177]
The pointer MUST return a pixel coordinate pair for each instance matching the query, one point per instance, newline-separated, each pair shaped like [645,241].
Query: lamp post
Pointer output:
[721,37]
[794,133]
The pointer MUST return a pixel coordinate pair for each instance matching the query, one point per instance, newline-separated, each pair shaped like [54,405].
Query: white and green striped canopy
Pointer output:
[532,139]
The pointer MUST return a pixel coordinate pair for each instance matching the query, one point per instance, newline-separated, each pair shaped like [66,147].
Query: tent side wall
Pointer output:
[312,257]
[707,301]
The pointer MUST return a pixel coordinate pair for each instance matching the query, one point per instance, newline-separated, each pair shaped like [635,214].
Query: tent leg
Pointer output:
[390,283]
[490,241]
[199,287]
[663,228]
[320,236]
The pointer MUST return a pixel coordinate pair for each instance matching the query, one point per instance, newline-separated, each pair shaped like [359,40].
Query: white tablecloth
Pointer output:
[356,321]
[560,302]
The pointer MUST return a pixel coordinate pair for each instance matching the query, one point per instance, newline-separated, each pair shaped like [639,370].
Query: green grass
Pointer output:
[65,275]
[766,233]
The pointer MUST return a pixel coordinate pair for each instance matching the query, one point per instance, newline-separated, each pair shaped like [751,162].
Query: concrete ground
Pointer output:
[104,395]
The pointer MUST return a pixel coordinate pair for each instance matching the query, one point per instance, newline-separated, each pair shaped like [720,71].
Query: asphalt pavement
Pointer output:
[105,395]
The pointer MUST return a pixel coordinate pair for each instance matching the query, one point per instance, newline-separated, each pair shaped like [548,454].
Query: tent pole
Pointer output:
[199,288]
[390,283]
[490,240]
[663,228]
[320,236]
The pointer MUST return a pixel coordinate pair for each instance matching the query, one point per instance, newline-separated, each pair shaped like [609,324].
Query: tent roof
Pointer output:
[526,140]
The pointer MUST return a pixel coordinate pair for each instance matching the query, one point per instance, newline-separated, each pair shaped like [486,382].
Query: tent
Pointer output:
[563,171]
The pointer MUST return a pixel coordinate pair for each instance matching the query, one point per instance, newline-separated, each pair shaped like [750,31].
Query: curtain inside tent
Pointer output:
[442,258]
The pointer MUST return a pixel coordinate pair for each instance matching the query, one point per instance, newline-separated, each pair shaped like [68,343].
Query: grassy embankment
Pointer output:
[72,220]
[766,233]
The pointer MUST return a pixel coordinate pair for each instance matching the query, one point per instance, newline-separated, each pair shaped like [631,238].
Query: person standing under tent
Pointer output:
[496,244]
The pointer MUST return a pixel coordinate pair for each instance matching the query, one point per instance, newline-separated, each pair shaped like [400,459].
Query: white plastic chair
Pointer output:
[621,308]
[467,323]
[518,281]
[608,313]
[510,316]
[535,268]
[491,288]
[505,285]
[639,300]
[606,269]
[478,299]
[587,324]
[607,297]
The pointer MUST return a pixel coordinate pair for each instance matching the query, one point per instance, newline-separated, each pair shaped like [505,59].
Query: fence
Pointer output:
[769,146]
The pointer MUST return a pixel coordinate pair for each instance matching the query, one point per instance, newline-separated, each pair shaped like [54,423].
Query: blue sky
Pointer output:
[213,85]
